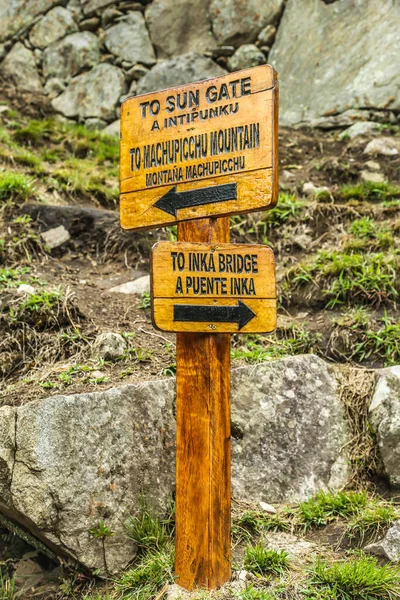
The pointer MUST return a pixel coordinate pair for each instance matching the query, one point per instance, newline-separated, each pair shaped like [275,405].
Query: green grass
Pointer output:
[326,507]
[369,235]
[288,207]
[147,531]
[7,585]
[147,576]
[373,342]
[372,520]
[261,561]
[347,278]
[12,277]
[256,349]
[15,186]
[252,593]
[357,579]
[252,522]
[370,191]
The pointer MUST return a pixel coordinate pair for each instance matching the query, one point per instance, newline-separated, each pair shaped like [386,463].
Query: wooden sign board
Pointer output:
[204,149]
[213,288]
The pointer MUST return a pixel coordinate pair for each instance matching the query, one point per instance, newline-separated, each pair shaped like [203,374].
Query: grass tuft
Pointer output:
[358,579]
[15,187]
[153,569]
[370,191]
[325,507]
[262,561]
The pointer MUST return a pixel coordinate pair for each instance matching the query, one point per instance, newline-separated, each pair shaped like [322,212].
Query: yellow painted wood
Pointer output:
[216,274]
[157,157]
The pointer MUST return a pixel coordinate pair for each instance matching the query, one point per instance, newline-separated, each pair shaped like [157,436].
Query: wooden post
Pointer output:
[203,552]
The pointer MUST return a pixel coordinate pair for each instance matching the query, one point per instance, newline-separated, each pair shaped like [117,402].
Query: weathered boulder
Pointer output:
[56,24]
[75,460]
[67,462]
[179,26]
[92,94]
[178,71]
[387,547]
[384,413]
[129,40]
[71,55]
[289,430]
[19,68]
[17,15]
[240,21]
[245,57]
[332,57]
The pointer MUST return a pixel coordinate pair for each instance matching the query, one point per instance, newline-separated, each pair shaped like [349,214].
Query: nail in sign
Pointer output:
[200,150]
[213,288]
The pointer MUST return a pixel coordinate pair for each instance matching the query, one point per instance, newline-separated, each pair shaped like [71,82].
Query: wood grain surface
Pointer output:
[203,551]
[233,120]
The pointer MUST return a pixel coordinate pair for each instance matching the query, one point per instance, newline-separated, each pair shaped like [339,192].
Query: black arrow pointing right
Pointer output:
[172,201]
[239,313]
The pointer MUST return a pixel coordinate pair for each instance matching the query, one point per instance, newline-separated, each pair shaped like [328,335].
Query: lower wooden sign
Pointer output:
[213,288]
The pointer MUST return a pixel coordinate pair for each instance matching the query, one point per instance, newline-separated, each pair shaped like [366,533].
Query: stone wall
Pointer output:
[88,55]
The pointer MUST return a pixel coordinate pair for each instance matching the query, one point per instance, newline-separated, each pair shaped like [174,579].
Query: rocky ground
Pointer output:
[335,233]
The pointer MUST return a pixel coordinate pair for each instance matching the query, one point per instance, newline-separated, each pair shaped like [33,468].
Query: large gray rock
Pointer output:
[332,57]
[67,462]
[129,40]
[179,26]
[389,546]
[56,24]
[384,413]
[240,21]
[290,429]
[71,55]
[73,461]
[92,94]
[17,15]
[19,68]
[178,71]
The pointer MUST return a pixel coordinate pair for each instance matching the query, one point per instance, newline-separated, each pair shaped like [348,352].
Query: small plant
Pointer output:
[288,207]
[7,585]
[146,301]
[357,578]
[325,507]
[262,561]
[170,371]
[102,532]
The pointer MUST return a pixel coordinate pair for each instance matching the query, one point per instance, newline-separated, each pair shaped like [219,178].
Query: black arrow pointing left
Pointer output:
[172,201]
[239,313]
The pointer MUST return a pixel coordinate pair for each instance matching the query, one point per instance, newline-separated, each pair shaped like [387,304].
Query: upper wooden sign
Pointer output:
[213,288]
[200,150]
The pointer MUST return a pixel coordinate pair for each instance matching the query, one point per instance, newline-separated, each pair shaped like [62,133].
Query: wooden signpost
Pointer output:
[193,155]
